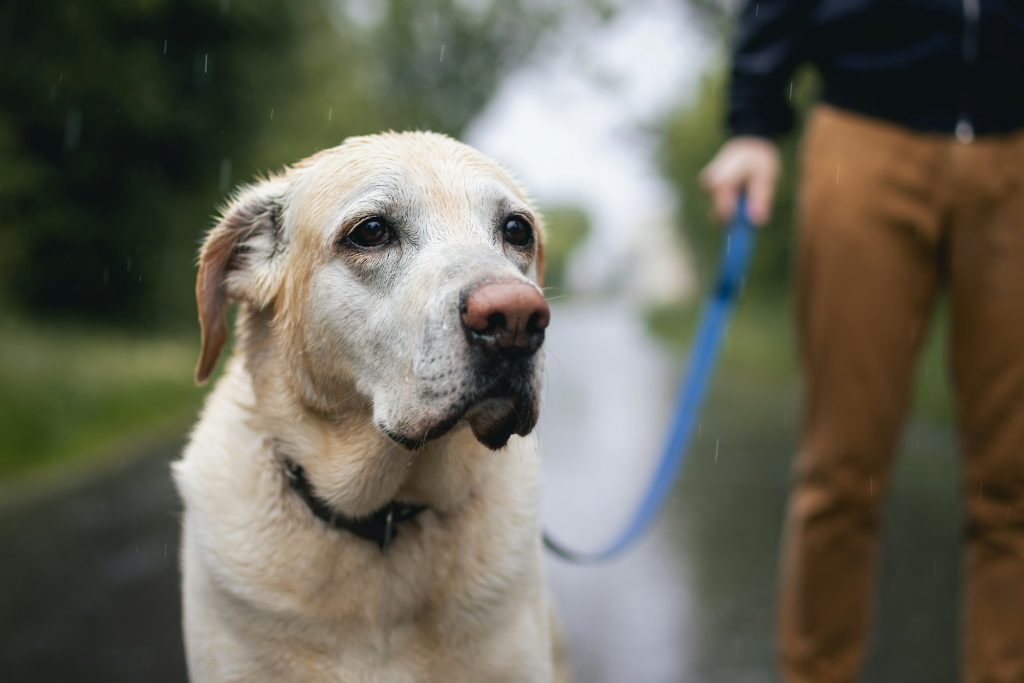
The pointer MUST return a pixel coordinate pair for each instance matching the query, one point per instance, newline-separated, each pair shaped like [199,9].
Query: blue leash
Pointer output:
[734,260]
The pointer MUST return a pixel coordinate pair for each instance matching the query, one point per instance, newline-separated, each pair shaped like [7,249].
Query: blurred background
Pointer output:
[125,123]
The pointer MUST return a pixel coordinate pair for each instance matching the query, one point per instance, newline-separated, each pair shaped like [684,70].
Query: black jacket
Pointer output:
[930,65]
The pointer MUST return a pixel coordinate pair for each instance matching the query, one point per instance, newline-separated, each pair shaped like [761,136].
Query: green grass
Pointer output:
[69,393]
[759,350]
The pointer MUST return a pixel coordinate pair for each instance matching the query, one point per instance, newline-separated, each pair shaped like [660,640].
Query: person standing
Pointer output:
[912,178]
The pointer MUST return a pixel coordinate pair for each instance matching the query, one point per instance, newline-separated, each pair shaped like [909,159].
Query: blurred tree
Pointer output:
[567,228]
[116,114]
[123,121]
[715,17]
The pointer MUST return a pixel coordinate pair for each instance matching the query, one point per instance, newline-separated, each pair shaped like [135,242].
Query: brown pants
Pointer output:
[885,216]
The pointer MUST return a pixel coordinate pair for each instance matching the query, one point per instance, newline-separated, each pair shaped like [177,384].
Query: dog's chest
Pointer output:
[418,620]
[454,649]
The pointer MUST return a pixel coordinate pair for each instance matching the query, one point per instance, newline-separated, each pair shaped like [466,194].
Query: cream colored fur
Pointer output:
[334,349]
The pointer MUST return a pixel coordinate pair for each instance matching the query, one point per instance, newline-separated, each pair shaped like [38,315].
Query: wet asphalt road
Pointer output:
[89,579]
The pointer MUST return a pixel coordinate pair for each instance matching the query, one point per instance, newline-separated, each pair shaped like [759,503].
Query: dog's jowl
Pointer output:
[345,516]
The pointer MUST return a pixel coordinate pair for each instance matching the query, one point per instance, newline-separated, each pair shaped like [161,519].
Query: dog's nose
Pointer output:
[506,317]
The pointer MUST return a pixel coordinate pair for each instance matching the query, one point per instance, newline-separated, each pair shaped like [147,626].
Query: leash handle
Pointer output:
[733,263]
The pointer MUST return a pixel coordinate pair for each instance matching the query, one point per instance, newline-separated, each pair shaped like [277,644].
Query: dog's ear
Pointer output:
[237,262]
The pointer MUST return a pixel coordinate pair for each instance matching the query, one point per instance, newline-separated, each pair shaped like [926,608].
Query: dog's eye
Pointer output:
[371,232]
[517,231]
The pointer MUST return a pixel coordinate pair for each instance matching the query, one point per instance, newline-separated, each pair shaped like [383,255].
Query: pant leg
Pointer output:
[987,291]
[866,277]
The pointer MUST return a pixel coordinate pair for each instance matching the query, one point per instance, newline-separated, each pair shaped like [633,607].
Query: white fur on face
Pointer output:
[386,320]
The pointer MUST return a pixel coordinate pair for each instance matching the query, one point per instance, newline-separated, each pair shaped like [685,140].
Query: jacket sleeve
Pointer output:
[769,40]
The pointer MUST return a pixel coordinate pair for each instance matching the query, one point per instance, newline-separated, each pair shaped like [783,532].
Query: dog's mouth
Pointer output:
[495,420]
[501,401]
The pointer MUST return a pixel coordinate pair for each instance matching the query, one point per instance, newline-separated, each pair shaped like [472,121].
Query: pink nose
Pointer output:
[506,317]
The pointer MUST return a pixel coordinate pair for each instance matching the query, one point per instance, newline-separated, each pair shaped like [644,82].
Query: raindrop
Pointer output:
[441,58]
[330,114]
[271,113]
[717,441]
[206,62]
[791,91]
[165,46]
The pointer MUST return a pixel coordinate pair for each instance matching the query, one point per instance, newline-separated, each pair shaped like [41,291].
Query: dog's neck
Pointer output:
[353,466]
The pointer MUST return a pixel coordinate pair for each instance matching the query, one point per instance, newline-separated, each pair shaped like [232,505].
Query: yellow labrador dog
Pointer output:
[346,518]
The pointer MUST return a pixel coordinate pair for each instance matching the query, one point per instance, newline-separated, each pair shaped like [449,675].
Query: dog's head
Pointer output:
[402,266]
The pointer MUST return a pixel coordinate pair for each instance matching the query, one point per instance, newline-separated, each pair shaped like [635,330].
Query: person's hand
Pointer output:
[743,163]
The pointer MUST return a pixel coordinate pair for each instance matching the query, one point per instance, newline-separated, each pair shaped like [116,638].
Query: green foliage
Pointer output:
[453,55]
[116,117]
[567,227]
[691,137]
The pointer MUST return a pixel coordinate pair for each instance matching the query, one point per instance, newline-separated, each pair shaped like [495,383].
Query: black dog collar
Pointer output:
[381,526]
